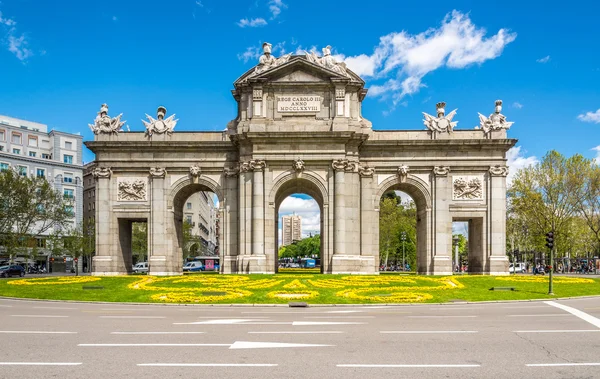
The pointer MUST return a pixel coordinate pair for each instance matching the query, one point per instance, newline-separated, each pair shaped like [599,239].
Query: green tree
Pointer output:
[588,198]
[29,207]
[139,241]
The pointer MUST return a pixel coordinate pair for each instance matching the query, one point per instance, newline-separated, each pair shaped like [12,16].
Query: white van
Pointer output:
[520,267]
[140,267]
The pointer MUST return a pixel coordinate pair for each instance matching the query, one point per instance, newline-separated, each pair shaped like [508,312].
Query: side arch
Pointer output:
[416,187]
[186,186]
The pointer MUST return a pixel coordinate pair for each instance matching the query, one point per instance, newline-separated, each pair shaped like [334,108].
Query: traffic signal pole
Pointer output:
[550,245]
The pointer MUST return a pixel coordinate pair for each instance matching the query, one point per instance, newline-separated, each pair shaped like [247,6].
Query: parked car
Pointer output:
[519,268]
[11,270]
[193,266]
[140,267]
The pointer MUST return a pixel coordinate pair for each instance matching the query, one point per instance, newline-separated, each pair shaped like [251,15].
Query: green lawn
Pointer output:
[310,287]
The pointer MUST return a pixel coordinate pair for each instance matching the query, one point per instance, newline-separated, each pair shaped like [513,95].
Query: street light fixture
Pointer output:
[403,239]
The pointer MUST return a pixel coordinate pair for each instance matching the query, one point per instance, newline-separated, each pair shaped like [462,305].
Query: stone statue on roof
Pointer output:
[104,124]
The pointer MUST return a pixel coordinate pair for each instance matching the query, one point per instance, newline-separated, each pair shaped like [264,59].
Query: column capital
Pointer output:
[498,170]
[158,172]
[339,164]
[102,173]
[231,171]
[441,170]
[257,165]
[366,171]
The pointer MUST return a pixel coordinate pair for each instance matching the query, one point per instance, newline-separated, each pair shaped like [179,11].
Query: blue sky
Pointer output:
[60,60]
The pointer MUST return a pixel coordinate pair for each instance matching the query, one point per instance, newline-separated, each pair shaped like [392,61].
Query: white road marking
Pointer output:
[541,315]
[207,364]
[441,316]
[270,345]
[153,344]
[344,311]
[127,317]
[427,331]
[526,307]
[576,312]
[558,331]
[409,366]
[311,323]
[562,364]
[299,332]
[5,306]
[60,308]
[40,363]
[228,321]
[37,316]
[339,317]
[32,332]
[157,332]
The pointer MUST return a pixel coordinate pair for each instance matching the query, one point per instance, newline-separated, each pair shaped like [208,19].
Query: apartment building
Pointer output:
[292,229]
[202,214]
[57,156]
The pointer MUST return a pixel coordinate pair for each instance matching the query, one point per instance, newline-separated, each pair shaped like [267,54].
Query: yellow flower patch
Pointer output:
[294,284]
[206,295]
[384,295]
[292,294]
[53,281]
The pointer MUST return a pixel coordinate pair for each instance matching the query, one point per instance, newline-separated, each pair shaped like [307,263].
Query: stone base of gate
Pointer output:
[254,264]
[161,266]
[353,264]
[106,266]
[442,265]
[498,266]
[229,265]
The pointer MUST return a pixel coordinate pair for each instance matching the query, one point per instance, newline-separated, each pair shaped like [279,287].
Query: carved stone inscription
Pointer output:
[467,188]
[132,189]
[298,103]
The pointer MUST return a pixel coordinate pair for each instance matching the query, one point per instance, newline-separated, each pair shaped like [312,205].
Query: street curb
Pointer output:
[287,305]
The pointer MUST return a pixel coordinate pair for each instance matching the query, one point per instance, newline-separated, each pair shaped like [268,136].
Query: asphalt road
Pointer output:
[497,340]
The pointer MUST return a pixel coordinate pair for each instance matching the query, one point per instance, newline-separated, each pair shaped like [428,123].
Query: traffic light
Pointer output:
[550,240]
[51,259]
[65,260]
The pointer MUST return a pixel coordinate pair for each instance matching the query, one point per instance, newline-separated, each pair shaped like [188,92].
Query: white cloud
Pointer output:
[517,160]
[308,209]
[517,105]
[403,59]
[252,52]
[275,7]
[590,117]
[114,18]
[597,150]
[545,59]
[252,23]
[199,3]
[18,45]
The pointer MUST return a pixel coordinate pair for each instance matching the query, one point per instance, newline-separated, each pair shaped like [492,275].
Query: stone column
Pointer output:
[339,207]
[103,262]
[258,212]
[369,220]
[442,262]
[229,223]
[497,221]
[164,256]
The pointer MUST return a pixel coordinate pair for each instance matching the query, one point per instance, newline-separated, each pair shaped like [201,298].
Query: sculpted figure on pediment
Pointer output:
[327,61]
[496,121]
[161,124]
[267,61]
[441,123]
[104,124]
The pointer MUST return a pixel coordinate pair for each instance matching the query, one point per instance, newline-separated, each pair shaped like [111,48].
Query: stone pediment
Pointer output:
[298,69]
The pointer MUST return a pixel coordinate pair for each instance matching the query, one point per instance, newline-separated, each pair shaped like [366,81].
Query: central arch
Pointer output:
[309,184]
[418,190]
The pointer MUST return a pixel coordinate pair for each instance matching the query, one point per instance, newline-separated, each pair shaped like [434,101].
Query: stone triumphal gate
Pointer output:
[300,129]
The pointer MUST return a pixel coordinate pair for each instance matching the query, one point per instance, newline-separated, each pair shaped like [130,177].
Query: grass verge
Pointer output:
[312,288]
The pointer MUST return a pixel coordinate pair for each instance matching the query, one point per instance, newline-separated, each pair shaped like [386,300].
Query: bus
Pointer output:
[307,263]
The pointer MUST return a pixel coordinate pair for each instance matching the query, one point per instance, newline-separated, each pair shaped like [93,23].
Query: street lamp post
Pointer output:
[403,239]
[455,240]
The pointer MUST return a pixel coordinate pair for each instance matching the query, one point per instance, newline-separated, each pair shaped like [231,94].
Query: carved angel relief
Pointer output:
[468,188]
[104,124]
[441,123]
[132,190]
[161,125]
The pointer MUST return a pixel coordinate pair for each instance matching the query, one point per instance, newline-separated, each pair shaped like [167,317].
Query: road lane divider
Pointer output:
[576,312]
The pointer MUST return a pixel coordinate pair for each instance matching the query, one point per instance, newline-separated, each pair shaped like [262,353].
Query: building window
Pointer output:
[189,205]
[68,193]
[40,173]
[1,148]
[2,135]
[32,154]
[32,141]
[46,156]
[189,219]
[68,159]
[4,166]
[69,210]
[23,170]
[68,178]
[69,145]
[17,151]
[16,138]
[41,242]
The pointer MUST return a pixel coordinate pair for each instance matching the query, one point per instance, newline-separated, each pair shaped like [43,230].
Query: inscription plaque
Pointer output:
[298,104]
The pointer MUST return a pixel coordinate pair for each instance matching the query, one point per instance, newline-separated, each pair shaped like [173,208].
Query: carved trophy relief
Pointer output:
[132,189]
[499,171]
[467,188]
[101,172]
[104,124]
[161,125]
